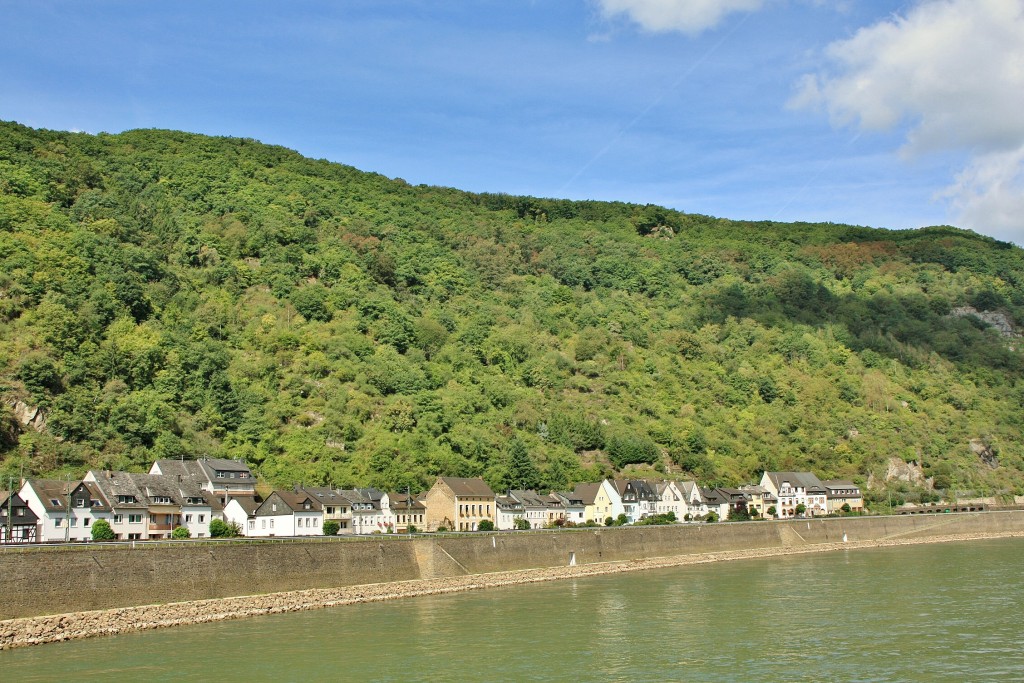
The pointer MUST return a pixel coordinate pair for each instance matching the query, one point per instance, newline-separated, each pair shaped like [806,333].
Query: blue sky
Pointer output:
[889,114]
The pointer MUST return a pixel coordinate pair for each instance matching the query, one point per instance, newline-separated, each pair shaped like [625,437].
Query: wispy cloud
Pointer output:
[686,16]
[952,73]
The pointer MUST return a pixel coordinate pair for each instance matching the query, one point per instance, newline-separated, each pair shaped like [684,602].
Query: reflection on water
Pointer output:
[920,613]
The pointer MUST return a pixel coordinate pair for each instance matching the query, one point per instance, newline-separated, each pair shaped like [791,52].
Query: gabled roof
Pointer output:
[468,487]
[53,493]
[115,484]
[568,498]
[15,504]
[508,503]
[403,501]
[530,498]
[839,484]
[248,505]
[586,493]
[297,501]
[805,480]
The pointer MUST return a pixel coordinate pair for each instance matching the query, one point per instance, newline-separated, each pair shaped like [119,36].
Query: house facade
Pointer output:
[839,492]
[793,489]
[458,504]
[18,524]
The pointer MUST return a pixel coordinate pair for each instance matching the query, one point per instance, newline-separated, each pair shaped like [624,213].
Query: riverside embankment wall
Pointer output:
[54,580]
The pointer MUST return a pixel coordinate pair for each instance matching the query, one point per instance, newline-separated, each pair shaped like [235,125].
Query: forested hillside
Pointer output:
[166,294]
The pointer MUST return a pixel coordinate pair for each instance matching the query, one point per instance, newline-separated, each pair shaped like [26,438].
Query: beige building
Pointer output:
[458,504]
[843,491]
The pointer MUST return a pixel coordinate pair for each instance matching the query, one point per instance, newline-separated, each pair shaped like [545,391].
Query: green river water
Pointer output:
[944,612]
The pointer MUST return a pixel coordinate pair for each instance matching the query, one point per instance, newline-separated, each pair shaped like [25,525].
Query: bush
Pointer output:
[101,531]
[180,533]
[621,520]
[221,529]
[412,529]
[846,508]
[608,521]
[801,508]
[331,527]
[521,523]
[485,525]
[711,517]
[771,511]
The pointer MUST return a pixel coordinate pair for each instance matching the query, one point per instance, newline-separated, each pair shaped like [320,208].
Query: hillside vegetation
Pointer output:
[164,294]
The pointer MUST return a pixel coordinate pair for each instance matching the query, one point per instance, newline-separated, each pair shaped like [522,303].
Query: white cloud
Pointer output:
[988,195]
[687,16]
[952,72]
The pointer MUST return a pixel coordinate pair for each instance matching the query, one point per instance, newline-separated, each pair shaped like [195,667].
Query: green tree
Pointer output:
[771,511]
[221,529]
[522,472]
[101,531]
[485,525]
[331,527]
[801,508]
[521,523]
[180,533]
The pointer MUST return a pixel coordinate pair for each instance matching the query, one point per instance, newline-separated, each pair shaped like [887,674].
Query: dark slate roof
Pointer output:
[14,503]
[114,484]
[249,505]
[805,480]
[532,498]
[508,503]
[474,487]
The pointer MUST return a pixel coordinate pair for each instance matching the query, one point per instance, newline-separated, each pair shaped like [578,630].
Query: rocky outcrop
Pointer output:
[985,452]
[992,318]
[27,416]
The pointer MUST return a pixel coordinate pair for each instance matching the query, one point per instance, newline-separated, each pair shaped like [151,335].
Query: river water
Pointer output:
[944,612]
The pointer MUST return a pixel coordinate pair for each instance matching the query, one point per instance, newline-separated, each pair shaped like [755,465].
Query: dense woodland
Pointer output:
[164,294]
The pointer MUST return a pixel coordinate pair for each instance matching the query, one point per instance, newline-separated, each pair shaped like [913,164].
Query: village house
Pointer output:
[695,506]
[608,501]
[793,489]
[129,519]
[536,507]
[639,499]
[18,524]
[507,510]
[587,494]
[336,507]
[402,509]
[670,499]
[288,513]
[220,476]
[761,500]
[458,504]
[839,492]
[241,511]
[66,509]
[572,508]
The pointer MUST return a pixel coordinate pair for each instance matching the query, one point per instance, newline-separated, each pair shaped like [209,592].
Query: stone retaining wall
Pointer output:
[42,581]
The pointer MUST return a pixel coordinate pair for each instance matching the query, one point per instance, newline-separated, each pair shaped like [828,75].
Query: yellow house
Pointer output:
[458,504]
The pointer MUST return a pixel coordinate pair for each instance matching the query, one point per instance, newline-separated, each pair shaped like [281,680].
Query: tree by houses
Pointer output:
[801,508]
[331,528]
[485,525]
[101,531]
[522,471]
[181,533]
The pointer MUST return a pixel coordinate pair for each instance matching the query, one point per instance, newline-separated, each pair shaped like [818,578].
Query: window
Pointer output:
[271,524]
[80,502]
[273,507]
[134,537]
[74,522]
[162,500]
[86,522]
[118,519]
[57,522]
[55,502]
[252,524]
[202,518]
[264,524]
[135,519]
[188,519]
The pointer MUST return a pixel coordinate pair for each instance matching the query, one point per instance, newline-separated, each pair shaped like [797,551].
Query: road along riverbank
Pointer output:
[28,631]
